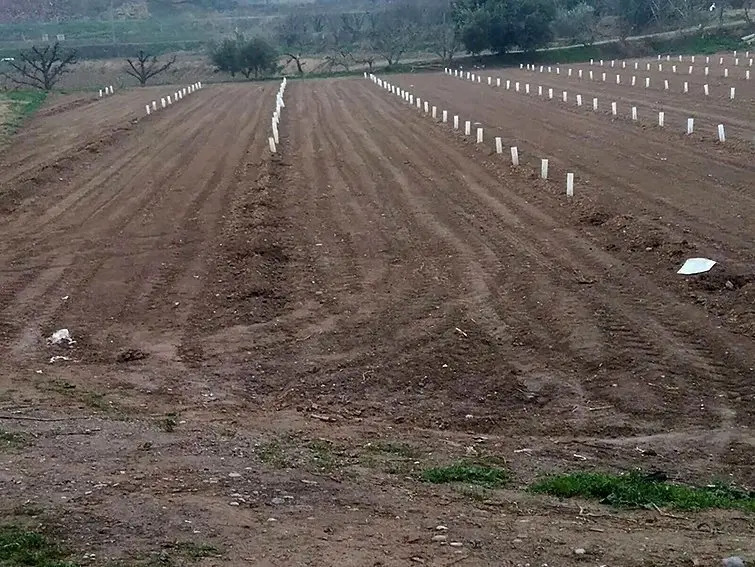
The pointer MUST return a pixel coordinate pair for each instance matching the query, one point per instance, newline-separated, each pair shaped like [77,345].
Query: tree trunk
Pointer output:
[299,67]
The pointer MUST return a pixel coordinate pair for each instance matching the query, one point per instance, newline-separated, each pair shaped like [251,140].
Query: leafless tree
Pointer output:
[340,57]
[144,67]
[341,40]
[445,42]
[365,56]
[295,35]
[41,68]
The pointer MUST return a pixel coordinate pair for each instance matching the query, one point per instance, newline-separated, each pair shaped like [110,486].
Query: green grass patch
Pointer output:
[196,550]
[638,490]
[26,102]
[706,43]
[467,472]
[272,453]
[19,547]
[16,106]
[324,455]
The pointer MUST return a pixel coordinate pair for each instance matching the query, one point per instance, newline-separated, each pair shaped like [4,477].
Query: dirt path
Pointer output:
[269,349]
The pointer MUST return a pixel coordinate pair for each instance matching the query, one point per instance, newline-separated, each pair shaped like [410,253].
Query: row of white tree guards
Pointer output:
[736,60]
[541,92]
[603,77]
[178,95]
[274,140]
[409,98]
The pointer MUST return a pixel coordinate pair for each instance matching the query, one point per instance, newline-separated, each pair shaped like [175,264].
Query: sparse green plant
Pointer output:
[196,550]
[89,398]
[467,472]
[169,422]
[322,454]
[271,453]
[638,490]
[393,447]
[22,548]
[11,440]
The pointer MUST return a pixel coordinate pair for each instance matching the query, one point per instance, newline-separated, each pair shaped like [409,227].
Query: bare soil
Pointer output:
[269,349]
[708,111]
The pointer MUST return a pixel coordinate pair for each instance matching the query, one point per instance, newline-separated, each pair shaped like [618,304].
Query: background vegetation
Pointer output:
[341,36]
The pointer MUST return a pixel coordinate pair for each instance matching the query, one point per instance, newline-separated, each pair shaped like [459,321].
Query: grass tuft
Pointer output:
[469,473]
[169,423]
[10,440]
[322,452]
[89,398]
[272,453]
[638,490]
[19,547]
[195,550]
[399,449]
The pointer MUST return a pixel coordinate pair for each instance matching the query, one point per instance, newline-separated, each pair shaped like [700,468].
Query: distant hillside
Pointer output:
[17,11]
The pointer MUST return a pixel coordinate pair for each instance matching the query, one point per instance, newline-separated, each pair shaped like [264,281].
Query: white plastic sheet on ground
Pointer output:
[696,266]
[63,336]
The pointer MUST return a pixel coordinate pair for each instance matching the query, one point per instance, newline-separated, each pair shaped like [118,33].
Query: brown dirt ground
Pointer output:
[708,112]
[268,348]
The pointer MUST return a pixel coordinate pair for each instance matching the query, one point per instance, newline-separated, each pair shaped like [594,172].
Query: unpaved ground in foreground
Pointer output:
[269,349]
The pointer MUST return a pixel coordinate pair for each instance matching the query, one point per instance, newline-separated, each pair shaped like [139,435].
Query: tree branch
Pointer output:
[131,64]
[135,74]
[38,85]
[152,72]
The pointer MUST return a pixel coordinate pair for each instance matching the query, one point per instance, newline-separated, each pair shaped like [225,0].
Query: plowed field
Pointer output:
[269,349]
